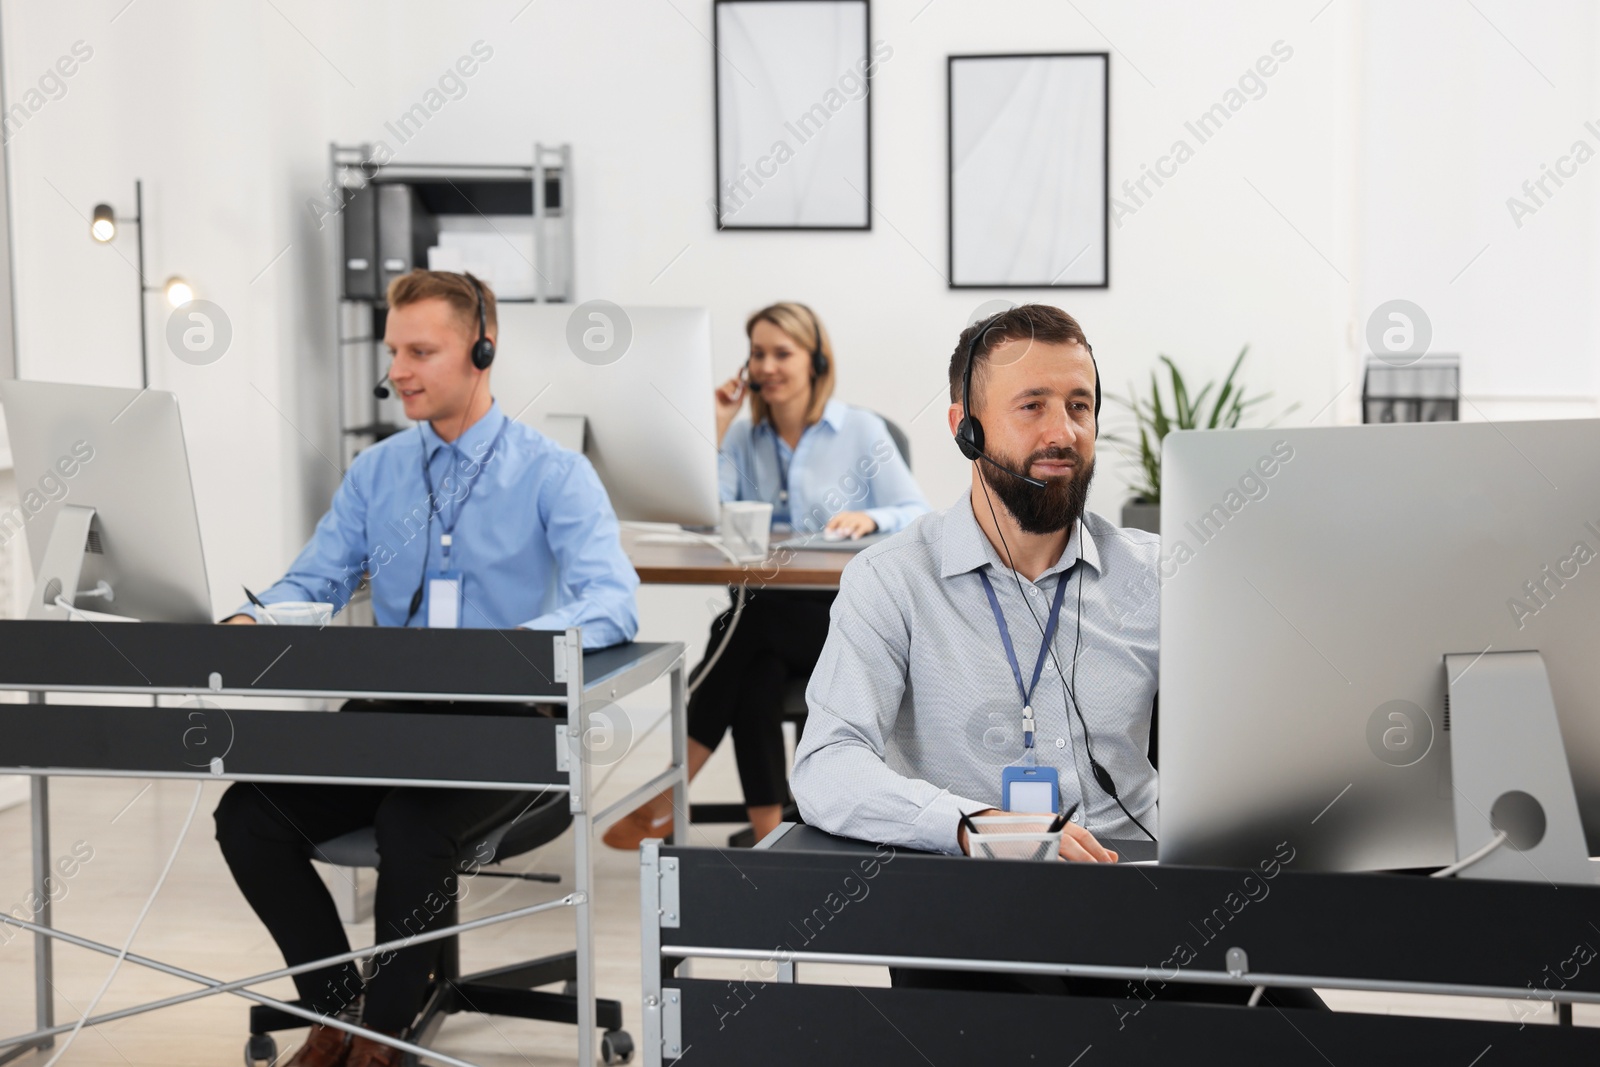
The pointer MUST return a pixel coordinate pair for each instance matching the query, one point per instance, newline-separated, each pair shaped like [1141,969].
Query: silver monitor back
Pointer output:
[1312,582]
[145,542]
[651,419]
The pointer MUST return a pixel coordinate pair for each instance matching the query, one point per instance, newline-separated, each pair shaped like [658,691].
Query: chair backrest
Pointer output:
[902,443]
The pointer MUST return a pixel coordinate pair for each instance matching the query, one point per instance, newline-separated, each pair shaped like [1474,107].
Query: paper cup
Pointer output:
[298,613]
[747,528]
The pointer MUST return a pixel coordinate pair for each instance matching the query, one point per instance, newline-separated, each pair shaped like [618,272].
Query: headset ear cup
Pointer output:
[483,353]
[969,438]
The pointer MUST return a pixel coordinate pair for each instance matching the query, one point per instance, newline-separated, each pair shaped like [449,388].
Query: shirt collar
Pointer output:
[966,547]
[833,414]
[479,434]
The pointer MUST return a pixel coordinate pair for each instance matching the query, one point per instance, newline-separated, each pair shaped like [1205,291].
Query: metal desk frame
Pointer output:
[653,662]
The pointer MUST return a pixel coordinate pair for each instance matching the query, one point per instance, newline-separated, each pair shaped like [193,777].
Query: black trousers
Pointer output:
[779,637]
[268,833]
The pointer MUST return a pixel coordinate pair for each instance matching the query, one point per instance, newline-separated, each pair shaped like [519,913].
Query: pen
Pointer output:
[1062,819]
[256,601]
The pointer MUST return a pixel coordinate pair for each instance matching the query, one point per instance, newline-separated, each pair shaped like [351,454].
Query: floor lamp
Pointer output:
[103,228]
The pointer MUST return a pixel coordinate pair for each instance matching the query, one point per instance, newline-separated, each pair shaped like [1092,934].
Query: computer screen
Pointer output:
[641,378]
[1312,582]
[108,465]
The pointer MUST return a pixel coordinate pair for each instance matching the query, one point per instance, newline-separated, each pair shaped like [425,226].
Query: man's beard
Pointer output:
[1041,511]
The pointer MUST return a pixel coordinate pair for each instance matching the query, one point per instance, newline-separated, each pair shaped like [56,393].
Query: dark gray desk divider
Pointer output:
[352,660]
[806,898]
[467,739]
[154,742]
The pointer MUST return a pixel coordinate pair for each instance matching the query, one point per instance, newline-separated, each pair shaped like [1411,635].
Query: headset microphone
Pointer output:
[1035,482]
[380,390]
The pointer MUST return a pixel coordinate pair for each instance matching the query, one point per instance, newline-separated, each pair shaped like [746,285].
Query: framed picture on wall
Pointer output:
[793,114]
[1029,159]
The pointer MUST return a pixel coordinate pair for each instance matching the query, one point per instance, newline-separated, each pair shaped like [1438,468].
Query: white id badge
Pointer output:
[444,599]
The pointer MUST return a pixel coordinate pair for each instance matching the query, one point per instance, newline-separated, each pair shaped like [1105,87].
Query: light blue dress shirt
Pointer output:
[535,539]
[914,710]
[846,461]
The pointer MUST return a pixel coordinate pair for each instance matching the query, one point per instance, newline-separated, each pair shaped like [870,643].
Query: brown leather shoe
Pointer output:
[324,1047]
[627,832]
[365,1052]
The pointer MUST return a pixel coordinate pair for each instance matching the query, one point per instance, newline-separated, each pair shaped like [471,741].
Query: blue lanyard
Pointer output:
[1011,652]
[783,471]
[448,536]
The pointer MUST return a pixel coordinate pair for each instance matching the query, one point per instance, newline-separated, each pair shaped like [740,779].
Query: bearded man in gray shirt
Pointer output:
[937,675]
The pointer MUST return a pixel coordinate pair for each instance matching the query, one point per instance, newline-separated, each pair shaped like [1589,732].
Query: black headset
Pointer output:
[819,362]
[483,348]
[969,431]
[819,359]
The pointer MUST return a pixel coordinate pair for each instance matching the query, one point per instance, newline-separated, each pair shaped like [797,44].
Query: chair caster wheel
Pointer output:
[616,1047]
[260,1049]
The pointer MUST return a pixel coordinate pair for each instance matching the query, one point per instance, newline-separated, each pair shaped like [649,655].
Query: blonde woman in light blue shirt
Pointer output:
[824,466]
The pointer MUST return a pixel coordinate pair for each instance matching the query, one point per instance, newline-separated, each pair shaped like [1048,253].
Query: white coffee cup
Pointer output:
[747,528]
[298,613]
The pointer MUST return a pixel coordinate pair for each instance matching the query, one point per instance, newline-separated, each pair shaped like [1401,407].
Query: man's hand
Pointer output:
[1077,844]
[236,620]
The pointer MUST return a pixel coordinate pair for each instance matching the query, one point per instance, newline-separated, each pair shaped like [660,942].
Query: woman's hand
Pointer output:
[852,524]
[729,397]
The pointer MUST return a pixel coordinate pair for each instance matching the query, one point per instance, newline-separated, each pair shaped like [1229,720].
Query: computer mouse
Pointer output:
[834,535]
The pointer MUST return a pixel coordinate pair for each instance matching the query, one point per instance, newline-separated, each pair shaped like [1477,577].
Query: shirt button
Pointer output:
[1061,742]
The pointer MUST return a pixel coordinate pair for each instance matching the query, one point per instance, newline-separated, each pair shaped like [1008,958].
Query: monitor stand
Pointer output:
[1510,771]
[62,564]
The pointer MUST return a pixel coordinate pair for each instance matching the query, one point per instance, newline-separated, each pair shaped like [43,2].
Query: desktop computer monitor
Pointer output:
[105,501]
[645,417]
[1312,582]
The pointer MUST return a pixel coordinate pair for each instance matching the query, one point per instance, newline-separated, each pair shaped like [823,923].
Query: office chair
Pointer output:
[794,710]
[512,990]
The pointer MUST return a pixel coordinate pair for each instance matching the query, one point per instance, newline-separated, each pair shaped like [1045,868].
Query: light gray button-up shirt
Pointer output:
[914,711]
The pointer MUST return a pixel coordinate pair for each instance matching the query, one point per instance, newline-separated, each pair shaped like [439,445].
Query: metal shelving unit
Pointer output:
[389,214]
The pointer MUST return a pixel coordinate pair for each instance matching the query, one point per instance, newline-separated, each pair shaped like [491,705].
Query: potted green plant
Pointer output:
[1155,415]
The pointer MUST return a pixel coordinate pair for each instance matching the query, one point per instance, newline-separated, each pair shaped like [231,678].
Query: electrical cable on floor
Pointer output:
[1482,853]
[738,602]
[128,942]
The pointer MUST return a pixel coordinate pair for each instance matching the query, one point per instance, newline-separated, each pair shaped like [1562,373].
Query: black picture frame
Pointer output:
[1104,274]
[720,93]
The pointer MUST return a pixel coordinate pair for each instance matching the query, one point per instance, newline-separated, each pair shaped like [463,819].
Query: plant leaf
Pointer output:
[1227,390]
[1158,416]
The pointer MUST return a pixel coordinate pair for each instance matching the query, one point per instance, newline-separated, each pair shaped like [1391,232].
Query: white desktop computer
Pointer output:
[638,404]
[105,502]
[1382,645]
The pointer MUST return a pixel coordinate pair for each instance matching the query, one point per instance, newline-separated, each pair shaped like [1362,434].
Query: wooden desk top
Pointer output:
[690,563]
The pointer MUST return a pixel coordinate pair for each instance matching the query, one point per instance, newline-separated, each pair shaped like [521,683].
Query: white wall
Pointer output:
[1461,105]
[1282,231]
